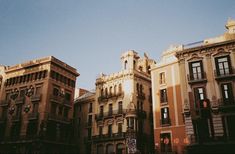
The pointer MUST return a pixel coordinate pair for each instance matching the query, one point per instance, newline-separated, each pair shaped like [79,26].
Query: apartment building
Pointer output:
[84,118]
[169,127]
[207,78]
[123,109]
[36,106]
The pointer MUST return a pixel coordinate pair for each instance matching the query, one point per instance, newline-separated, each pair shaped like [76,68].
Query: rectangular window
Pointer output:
[199,95]
[110,130]
[165,117]
[227,93]
[110,109]
[119,107]
[67,96]
[56,92]
[89,120]
[101,111]
[53,108]
[66,112]
[196,70]
[223,65]
[162,78]
[89,133]
[100,130]
[90,108]
[163,95]
[119,128]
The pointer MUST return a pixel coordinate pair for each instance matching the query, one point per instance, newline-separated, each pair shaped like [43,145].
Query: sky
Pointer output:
[91,35]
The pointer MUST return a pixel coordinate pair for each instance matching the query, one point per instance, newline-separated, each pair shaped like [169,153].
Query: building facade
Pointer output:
[84,118]
[123,109]
[36,106]
[207,77]
[169,127]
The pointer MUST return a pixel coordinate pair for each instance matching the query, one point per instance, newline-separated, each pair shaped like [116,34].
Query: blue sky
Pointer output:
[91,35]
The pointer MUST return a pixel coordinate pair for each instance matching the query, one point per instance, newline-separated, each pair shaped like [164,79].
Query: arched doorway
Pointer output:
[120,148]
[109,149]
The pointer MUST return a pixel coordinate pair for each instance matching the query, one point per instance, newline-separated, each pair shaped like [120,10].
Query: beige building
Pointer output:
[84,118]
[123,109]
[169,128]
[36,106]
[207,78]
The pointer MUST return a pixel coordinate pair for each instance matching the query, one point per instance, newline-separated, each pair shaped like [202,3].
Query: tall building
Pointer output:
[123,109]
[36,106]
[84,117]
[169,127]
[207,77]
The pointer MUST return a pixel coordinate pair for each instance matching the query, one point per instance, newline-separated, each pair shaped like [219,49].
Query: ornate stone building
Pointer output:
[123,109]
[207,77]
[36,106]
[169,127]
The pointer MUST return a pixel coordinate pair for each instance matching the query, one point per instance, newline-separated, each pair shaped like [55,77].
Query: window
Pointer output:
[66,112]
[223,65]
[22,92]
[120,88]
[130,122]
[196,70]
[67,96]
[199,95]
[163,95]
[89,133]
[56,92]
[106,92]
[53,109]
[90,108]
[101,111]
[110,91]
[110,130]
[89,120]
[162,78]
[115,90]
[110,109]
[137,88]
[125,65]
[119,128]
[38,90]
[119,107]
[165,118]
[60,110]
[227,93]
[35,107]
[100,130]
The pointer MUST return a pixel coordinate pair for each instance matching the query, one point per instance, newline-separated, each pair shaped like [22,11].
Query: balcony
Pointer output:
[110,114]
[20,100]
[165,122]
[60,100]
[197,78]
[58,118]
[227,105]
[141,96]
[224,75]
[108,137]
[33,116]
[16,118]
[4,102]
[36,98]
[103,98]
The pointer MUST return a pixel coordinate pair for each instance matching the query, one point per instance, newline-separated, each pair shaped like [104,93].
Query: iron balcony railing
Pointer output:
[196,77]
[61,100]
[224,73]
[113,136]
[59,118]
[104,98]
[110,114]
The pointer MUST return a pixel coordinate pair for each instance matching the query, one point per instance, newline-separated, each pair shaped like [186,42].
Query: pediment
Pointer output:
[195,57]
[221,52]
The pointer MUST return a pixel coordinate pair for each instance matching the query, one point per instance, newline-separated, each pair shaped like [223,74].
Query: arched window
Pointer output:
[125,65]
[110,90]
[106,92]
[134,64]
[115,90]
